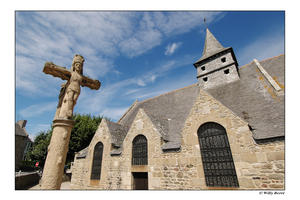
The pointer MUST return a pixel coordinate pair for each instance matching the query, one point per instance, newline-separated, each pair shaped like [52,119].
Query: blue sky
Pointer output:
[135,55]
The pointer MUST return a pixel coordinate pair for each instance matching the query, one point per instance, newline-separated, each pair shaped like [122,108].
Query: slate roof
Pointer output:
[119,132]
[82,154]
[253,99]
[167,112]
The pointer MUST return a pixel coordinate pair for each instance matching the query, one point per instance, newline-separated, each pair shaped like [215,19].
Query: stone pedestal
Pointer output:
[57,152]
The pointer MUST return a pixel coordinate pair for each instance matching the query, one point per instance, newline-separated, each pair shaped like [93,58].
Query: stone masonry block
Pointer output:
[261,157]
[246,183]
[275,156]
[249,157]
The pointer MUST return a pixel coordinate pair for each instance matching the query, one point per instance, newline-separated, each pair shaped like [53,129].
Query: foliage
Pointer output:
[27,165]
[39,148]
[81,135]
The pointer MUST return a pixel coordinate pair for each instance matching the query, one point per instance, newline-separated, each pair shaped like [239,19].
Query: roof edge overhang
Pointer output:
[206,58]
[266,140]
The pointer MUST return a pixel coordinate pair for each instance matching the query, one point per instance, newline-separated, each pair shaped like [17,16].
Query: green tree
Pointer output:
[81,136]
[82,133]
[39,148]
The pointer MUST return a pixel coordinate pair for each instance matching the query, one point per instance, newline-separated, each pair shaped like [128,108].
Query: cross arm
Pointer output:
[91,83]
[56,71]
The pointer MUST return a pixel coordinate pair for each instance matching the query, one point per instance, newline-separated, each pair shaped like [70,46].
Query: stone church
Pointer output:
[224,132]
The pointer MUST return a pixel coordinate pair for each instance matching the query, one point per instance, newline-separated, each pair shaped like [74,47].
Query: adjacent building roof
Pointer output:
[119,133]
[20,128]
[82,154]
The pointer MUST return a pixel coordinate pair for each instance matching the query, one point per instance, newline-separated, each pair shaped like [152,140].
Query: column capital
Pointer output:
[63,122]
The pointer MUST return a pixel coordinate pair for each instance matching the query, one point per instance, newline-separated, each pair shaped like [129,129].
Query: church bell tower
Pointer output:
[217,66]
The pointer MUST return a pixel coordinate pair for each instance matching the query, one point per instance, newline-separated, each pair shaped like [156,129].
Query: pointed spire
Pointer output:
[211,46]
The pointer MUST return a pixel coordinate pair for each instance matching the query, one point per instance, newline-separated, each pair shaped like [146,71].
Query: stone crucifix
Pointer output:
[63,123]
[71,89]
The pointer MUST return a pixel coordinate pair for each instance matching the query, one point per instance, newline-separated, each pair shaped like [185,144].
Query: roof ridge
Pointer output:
[262,60]
[272,57]
[129,109]
[173,91]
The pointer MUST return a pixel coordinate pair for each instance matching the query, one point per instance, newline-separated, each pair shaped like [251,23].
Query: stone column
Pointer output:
[57,153]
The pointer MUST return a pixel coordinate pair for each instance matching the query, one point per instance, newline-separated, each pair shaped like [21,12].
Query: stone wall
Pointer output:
[250,159]
[79,172]
[20,144]
[258,166]
[214,70]
[25,181]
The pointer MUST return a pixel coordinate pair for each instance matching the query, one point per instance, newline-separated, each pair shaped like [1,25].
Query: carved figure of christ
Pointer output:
[71,89]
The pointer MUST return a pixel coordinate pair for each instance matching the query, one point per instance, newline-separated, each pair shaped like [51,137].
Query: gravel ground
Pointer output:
[64,186]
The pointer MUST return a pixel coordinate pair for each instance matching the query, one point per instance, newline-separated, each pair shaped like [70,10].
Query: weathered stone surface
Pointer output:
[62,125]
[246,183]
[275,156]
[249,157]
[277,186]
[276,176]
[57,152]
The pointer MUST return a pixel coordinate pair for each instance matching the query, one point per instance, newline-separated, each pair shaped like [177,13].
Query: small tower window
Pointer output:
[226,71]
[223,59]
[205,79]
[203,68]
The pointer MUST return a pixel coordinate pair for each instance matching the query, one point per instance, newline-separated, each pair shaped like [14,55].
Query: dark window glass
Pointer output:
[205,79]
[223,59]
[139,150]
[226,71]
[216,156]
[97,161]
[203,68]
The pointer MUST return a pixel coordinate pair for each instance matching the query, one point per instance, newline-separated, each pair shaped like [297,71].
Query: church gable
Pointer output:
[102,134]
[141,124]
[247,155]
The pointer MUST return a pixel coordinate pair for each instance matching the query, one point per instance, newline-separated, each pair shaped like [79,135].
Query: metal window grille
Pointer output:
[97,161]
[139,150]
[216,156]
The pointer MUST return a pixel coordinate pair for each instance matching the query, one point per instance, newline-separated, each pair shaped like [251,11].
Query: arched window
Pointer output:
[216,156]
[139,150]
[97,161]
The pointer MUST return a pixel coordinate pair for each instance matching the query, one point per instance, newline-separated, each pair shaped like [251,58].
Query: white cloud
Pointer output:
[181,22]
[171,48]
[152,78]
[98,36]
[140,82]
[37,109]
